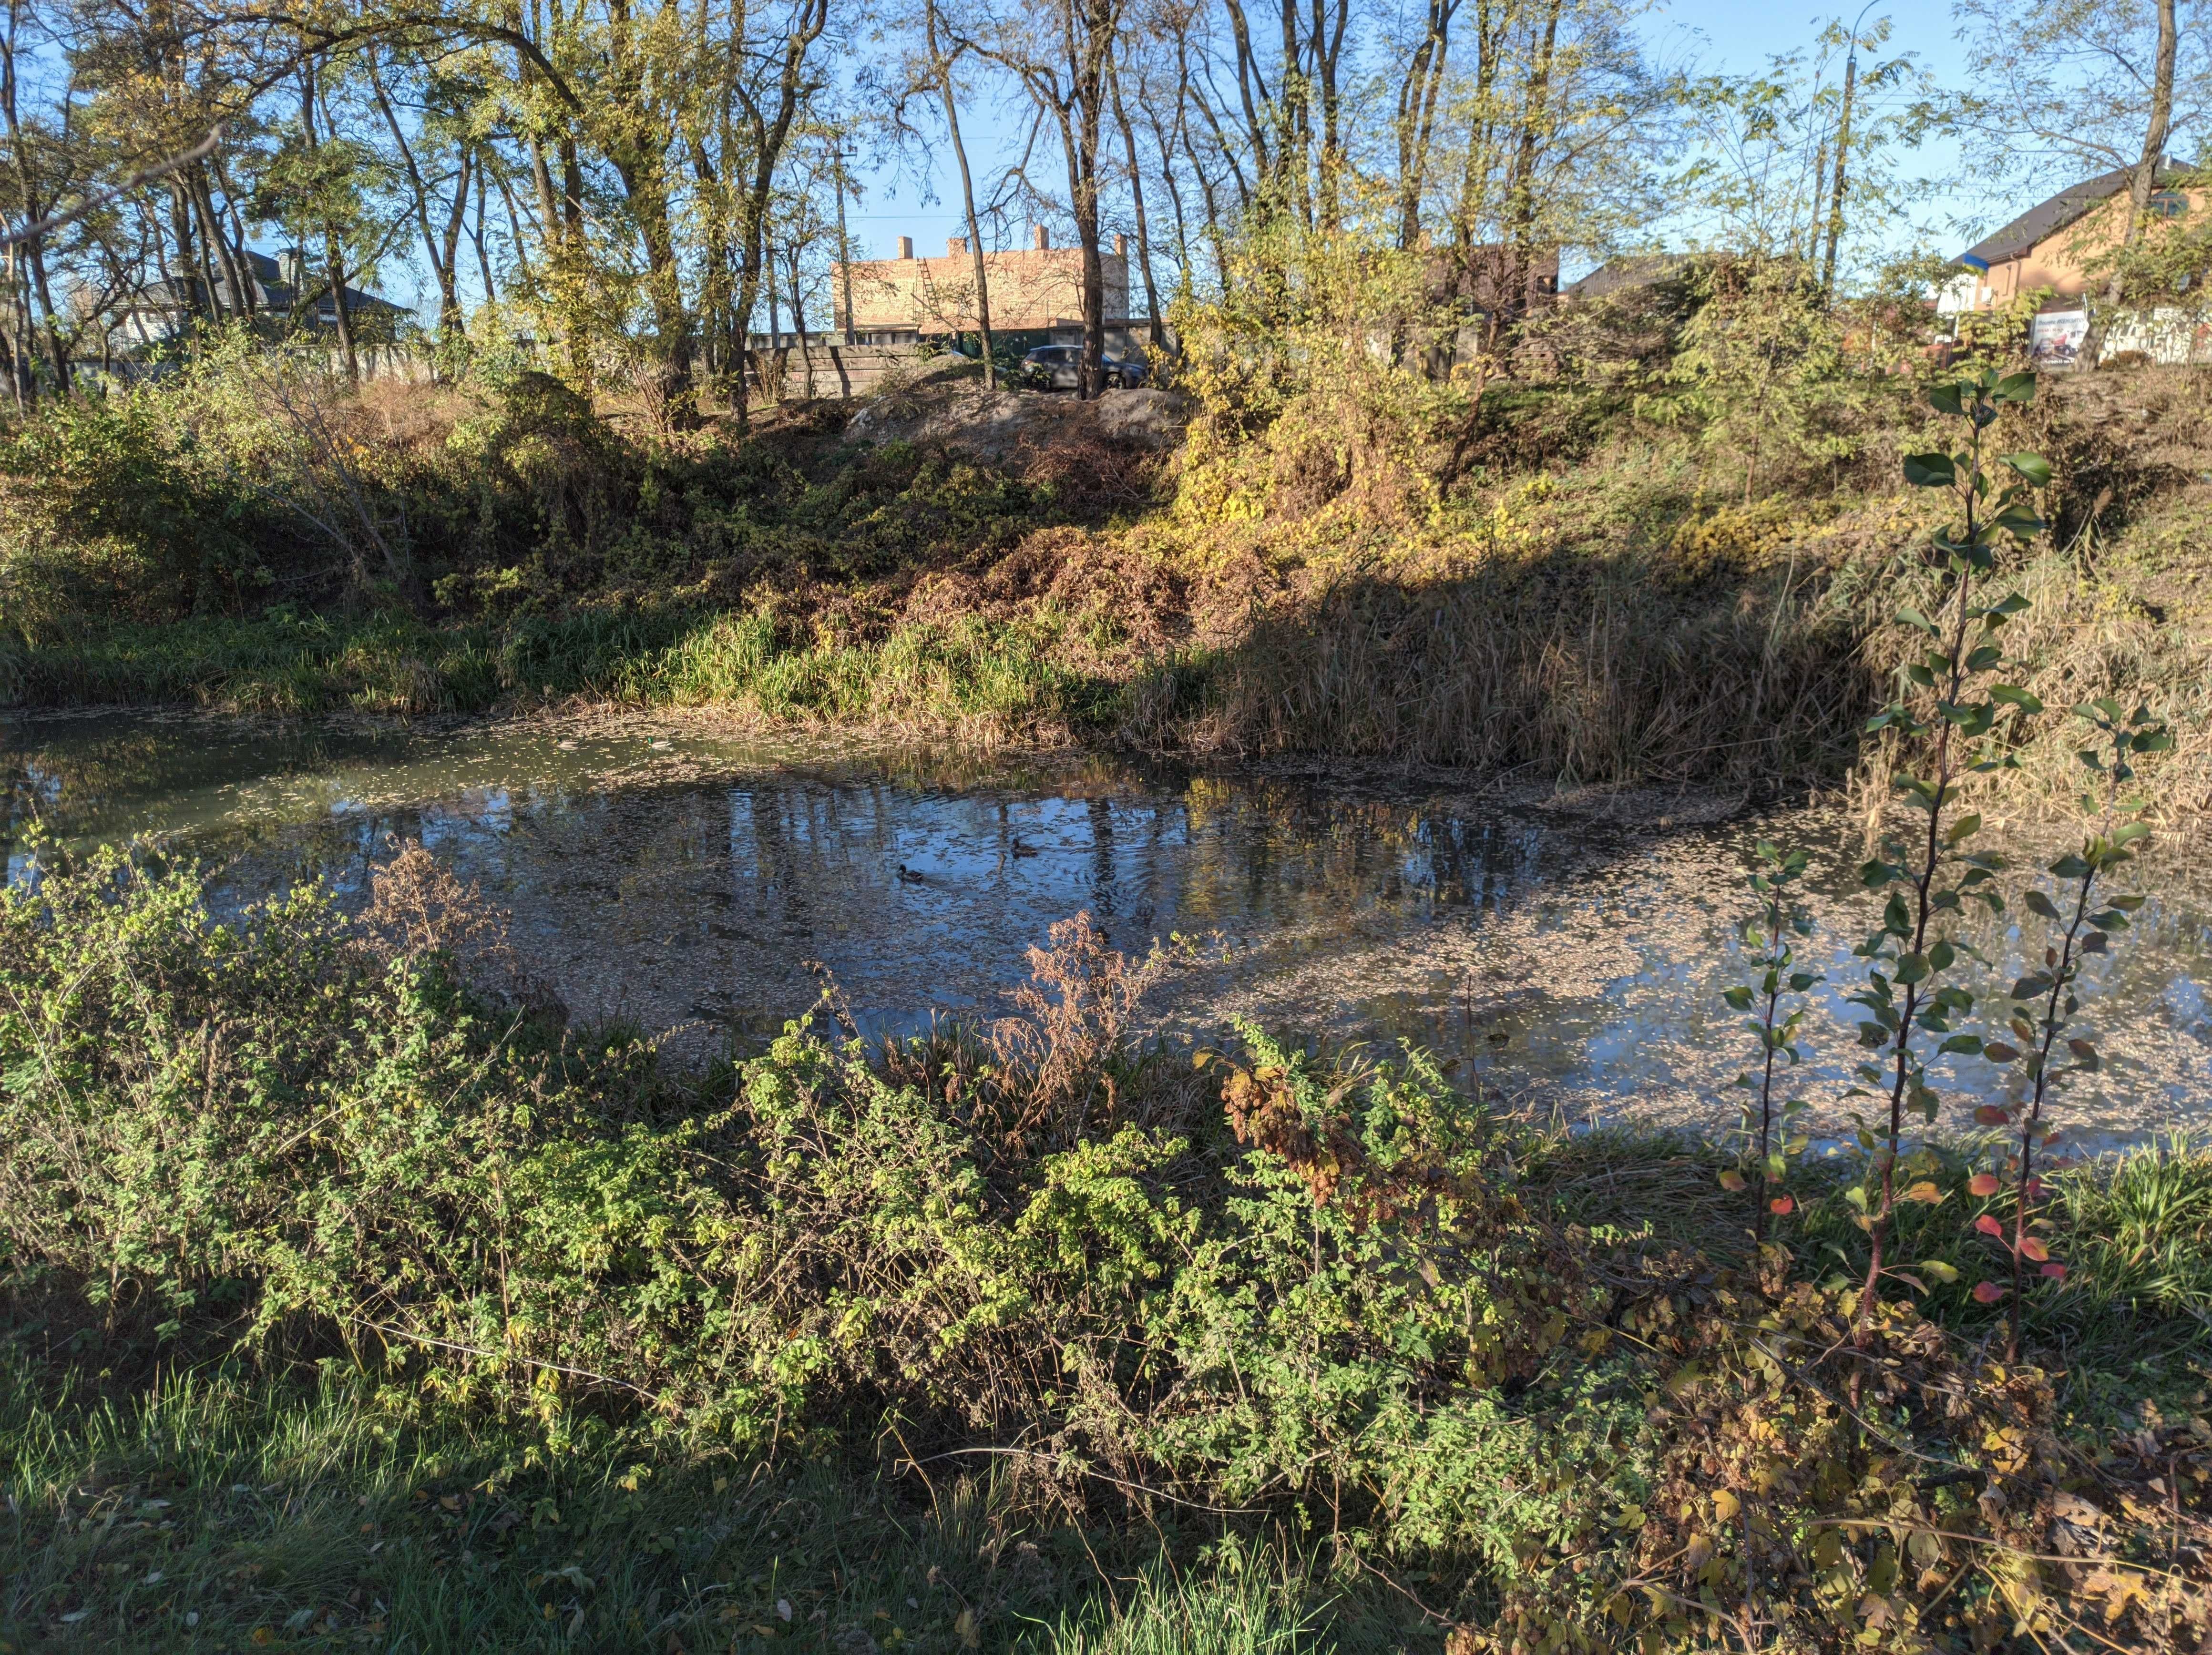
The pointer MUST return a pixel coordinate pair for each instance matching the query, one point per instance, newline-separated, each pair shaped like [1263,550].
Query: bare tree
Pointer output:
[1062,54]
[941,55]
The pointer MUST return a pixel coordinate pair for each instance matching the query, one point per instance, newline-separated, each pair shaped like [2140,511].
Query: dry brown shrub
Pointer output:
[1087,467]
[1073,1019]
[1265,1114]
[1067,1066]
[420,909]
[414,415]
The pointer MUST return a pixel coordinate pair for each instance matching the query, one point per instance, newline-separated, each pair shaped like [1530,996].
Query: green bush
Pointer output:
[1343,1303]
[101,519]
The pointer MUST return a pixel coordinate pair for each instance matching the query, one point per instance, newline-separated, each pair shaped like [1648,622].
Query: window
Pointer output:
[2168,203]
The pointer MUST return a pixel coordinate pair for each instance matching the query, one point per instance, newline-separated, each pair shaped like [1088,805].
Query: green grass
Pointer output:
[967,674]
[205,1513]
[1242,1602]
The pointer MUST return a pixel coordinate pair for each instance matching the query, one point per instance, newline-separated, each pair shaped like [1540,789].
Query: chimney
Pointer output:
[906,247]
[292,270]
[1043,237]
[1121,245]
[955,246]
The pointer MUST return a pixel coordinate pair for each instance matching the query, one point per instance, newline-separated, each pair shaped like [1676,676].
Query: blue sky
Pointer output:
[1734,36]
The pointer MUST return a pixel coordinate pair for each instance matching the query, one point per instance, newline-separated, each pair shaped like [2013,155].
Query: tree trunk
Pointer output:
[1164,140]
[484,257]
[1417,115]
[1512,299]
[634,136]
[334,258]
[713,266]
[440,253]
[1327,53]
[1213,237]
[457,219]
[1091,27]
[1293,121]
[798,321]
[15,332]
[2146,178]
[769,135]
[943,65]
[1251,90]
[233,282]
[1474,186]
[333,249]
[237,242]
[1156,332]
[192,257]
[1842,164]
[57,350]
[27,264]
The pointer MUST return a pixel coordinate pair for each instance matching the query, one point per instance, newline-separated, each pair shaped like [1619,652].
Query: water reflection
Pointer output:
[684,879]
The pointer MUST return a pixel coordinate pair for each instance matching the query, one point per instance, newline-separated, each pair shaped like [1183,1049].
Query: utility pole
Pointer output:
[837,159]
[1842,156]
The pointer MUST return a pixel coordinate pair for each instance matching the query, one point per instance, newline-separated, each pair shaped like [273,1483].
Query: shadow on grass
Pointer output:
[216,1513]
[1586,668]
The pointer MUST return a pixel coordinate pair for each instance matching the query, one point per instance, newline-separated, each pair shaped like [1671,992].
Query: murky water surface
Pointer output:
[1569,953]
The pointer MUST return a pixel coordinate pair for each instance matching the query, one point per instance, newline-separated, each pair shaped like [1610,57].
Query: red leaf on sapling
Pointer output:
[2033,1249]
[1781,1206]
[1984,1185]
[2056,1272]
[1989,1225]
[1987,1293]
[1989,1115]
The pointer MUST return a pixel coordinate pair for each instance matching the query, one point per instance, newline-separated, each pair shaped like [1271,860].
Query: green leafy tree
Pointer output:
[1951,712]
[1761,1163]
[2046,1000]
[1761,363]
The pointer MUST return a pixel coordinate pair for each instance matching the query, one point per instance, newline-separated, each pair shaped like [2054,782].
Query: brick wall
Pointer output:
[1031,288]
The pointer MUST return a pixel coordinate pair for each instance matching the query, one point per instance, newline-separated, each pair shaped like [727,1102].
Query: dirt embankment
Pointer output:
[1020,428]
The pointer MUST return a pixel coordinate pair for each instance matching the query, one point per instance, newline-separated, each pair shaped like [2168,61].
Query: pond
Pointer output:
[1567,953]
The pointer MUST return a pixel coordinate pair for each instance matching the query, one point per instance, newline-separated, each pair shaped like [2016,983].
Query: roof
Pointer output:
[2067,207]
[1617,274]
[271,292]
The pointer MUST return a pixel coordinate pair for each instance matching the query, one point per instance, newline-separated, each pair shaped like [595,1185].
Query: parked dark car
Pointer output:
[1054,367]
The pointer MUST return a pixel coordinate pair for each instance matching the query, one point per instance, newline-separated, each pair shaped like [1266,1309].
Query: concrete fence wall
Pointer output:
[818,369]
[408,362]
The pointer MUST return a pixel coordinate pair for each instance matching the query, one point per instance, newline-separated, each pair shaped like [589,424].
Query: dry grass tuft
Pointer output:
[419,909]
